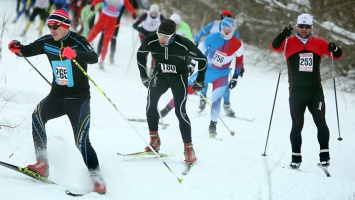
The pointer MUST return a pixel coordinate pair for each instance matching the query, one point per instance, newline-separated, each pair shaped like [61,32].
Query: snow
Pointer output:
[230,169]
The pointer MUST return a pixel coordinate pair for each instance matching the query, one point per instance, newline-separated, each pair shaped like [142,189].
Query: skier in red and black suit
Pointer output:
[303,53]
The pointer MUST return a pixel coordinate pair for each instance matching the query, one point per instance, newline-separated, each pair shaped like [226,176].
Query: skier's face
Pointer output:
[58,32]
[163,38]
[304,30]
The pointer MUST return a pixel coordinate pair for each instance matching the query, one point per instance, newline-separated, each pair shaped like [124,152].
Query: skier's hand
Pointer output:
[14,47]
[332,47]
[287,31]
[234,81]
[134,16]
[198,86]
[145,81]
[191,69]
[69,53]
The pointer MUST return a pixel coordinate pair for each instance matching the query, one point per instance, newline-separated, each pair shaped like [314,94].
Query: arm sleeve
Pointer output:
[204,31]
[85,52]
[197,55]
[277,42]
[142,58]
[239,59]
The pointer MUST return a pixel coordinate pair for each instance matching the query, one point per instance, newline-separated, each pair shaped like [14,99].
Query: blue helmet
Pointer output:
[228,21]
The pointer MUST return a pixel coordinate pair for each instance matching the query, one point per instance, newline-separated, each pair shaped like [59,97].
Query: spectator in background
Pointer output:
[149,23]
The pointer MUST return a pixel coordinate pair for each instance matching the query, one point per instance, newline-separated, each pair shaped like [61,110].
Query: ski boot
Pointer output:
[154,141]
[189,153]
[228,110]
[41,167]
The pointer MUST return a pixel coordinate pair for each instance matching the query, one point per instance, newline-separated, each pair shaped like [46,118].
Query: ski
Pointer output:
[188,167]
[73,194]
[145,120]
[243,118]
[27,172]
[143,153]
[325,169]
[214,136]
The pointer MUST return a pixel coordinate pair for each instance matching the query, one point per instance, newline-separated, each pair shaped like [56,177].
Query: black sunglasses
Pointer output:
[306,26]
[54,27]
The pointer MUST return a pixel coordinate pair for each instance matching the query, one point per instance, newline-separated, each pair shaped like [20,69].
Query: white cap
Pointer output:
[176,18]
[154,8]
[305,19]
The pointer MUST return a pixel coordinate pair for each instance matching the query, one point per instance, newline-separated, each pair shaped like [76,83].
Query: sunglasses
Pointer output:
[54,26]
[227,28]
[164,36]
[301,26]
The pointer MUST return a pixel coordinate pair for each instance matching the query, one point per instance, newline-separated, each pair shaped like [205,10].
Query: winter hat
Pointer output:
[228,21]
[59,17]
[226,12]
[167,27]
[154,8]
[305,19]
[176,18]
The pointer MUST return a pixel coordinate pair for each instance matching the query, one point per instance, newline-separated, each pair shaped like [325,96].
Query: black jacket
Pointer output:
[85,55]
[174,55]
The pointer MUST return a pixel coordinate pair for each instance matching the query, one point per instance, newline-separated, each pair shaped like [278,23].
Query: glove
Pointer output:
[139,28]
[191,69]
[69,53]
[134,16]
[14,46]
[233,82]
[92,8]
[145,81]
[287,31]
[332,47]
[198,86]
[241,71]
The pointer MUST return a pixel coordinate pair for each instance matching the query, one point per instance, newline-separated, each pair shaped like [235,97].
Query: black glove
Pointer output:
[92,8]
[233,82]
[139,29]
[198,86]
[332,47]
[287,31]
[134,16]
[191,69]
[241,71]
[146,81]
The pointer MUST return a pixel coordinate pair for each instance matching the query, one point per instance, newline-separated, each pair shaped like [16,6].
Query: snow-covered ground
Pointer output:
[230,169]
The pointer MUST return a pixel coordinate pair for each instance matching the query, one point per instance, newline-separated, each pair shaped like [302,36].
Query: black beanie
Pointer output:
[167,27]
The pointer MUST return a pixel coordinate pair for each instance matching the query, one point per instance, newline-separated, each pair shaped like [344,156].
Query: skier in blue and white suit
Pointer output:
[221,48]
[214,27]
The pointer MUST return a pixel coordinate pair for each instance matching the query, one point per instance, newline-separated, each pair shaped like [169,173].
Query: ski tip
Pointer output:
[180,180]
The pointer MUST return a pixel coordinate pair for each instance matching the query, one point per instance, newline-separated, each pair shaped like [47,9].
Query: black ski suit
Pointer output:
[69,95]
[171,71]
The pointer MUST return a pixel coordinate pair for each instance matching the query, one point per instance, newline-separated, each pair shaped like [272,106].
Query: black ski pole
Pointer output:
[335,92]
[35,69]
[273,106]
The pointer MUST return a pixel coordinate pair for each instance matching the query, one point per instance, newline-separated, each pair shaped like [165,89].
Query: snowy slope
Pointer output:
[230,169]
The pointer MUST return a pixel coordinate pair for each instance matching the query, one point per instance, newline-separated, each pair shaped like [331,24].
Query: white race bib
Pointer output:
[218,58]
[306,62]
[167,68]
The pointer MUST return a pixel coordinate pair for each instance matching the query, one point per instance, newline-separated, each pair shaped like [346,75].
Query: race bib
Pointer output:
[63,73]
[306,62]
[218,58]
[167,68]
